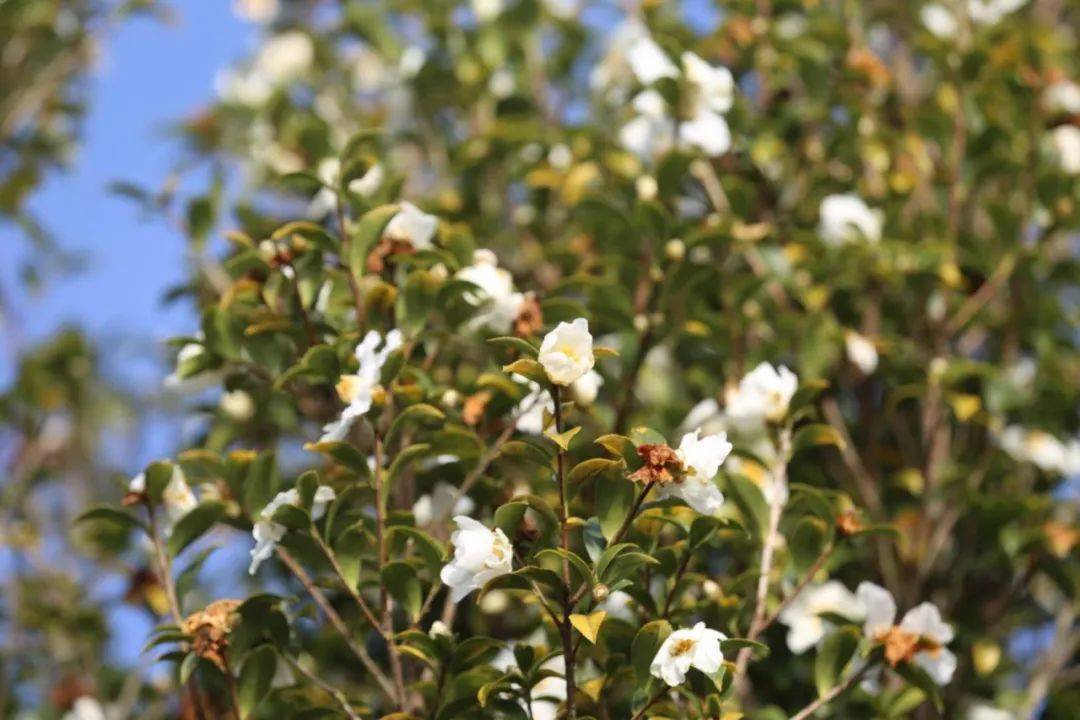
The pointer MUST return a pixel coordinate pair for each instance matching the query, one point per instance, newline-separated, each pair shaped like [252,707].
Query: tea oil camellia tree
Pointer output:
[590,361]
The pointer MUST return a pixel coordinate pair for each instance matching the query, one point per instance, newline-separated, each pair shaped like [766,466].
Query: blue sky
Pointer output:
[149,75]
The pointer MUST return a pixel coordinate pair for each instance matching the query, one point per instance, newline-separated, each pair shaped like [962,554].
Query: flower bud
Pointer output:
[600,592]
[675,250]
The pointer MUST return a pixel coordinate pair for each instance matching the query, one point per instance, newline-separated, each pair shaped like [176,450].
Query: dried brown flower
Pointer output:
[530,319]
[210,629]
[384,249]
[662,465]
[849,523]
[472,411]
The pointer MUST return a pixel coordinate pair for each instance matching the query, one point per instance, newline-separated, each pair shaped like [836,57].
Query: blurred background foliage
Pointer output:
[946,343]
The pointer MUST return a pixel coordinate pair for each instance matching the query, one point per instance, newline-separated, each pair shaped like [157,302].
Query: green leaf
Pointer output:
[731,646]
[255,678]
[508,517]
[406,456]
[366,235]
[191,526]
[528,368]
[400,579]
[918,677]
[807,541]
[561,439]
[420,414]
[109,514]
[591,468]
[751,503]
[833,656]
[522,346]
[260,482]
[430,550]
[614,498]
[813,435]
[158,476]
[344,454]
[646,643]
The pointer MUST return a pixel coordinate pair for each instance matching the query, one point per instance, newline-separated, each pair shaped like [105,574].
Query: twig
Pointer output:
[335,620]
[384,596]
[1064,645]
[564,522]
[322,685]
[356,596]
[655,699]
[832,694]
[807,579]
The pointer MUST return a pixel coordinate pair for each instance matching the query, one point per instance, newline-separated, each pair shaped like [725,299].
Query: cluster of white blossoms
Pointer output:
[480,554]
[267,533]
[846,218]
[283,58]
[697,647]
[1042,450]
[943,23]
[701,458]
[358,391]
[501,303]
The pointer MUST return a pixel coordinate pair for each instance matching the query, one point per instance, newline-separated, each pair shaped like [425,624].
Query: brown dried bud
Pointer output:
[848,523]
[384,249]
[662,465]
[530,320]
[473,409]
[210,630]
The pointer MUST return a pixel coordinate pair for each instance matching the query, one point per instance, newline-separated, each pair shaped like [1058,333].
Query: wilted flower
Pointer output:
[697,647]
[566,353]
[763,394]
[267,533]
[480,554]
[209,629]
[920,637]
[846,218]
[440,503]
[1066,142]
[861,352]
[700,458]
[803,616]
[496,289]
[358,390]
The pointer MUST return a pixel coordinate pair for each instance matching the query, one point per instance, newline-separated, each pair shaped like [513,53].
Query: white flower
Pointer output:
[939,20]
[439,629]
[991,12]
[846,218]
[982,711]
[369,183]
[550,692]
[763,394]
[256,11]
[1039,448]
[496,288]
[1063,97]
[706,131]
[586,388]
[412,225]
[530,411]
[566,352]
[701,458]
[697,647]
[487,10]
[358,390]
[803,616]
[238,405]
[285,57]
[713,87]
[652,131]
[649,62]
[268,533]
[440,503]
[1066,142]
[85,708]
[861,352]
[480,554]
[923,621]
[178,498]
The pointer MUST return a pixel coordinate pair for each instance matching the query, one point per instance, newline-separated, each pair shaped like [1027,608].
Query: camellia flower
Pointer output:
[648,61]
[763,394]
[566,352]
[440,503]
[920,638]
[412,225]
[846,218]
[267,533]
[861,352]
[697,647]
[358,390]
[480,554]
[1039,448]
[701,458]
[496,288]
[712,91]
[1066,142]
[939,20]
[651,132]
[803,615]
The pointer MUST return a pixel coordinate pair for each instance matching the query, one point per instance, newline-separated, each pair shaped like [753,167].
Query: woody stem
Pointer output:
[564,522]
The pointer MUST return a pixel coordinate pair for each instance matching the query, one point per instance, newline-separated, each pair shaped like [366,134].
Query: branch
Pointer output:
[835,692]
[564,522]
